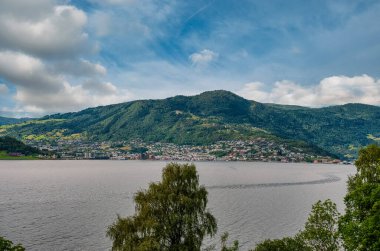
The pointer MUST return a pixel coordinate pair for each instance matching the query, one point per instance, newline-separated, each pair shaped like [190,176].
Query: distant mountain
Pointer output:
[7,121]
[210,117]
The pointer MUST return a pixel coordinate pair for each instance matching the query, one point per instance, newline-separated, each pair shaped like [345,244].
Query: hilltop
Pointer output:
[210,117]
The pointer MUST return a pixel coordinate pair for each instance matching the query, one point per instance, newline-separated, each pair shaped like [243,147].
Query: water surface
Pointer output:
[67,205]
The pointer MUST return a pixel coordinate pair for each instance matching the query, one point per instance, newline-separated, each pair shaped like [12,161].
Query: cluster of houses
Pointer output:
[259,149]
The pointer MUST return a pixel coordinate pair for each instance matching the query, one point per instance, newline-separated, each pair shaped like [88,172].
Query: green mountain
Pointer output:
[7,121]
[210,117]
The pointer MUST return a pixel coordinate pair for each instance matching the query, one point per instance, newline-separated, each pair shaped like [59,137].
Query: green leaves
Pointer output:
[360,225]
[234,247]
[9,145]
[284,244]
[321,229]
[170,215]
[320,232]
[7,245]
[358,229]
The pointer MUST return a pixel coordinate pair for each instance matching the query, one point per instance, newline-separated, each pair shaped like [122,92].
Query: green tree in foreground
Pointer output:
[321,228]
[223,244]
[223,240]
[170,215]
[360,225]
[320,232]
[284,244]
[358,228]
[7,245]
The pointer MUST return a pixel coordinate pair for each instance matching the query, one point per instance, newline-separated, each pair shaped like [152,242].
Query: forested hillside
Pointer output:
[7,121]
[210,117]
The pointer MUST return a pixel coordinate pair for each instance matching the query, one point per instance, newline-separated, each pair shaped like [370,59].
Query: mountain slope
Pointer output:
[7,121]
[210,117]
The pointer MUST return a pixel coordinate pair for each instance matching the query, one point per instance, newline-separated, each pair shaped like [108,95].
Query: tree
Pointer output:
[320,232]
[223,240]
[223,244]
[284,244]
[321,228]
[360,225]
[7,245]
[170,215]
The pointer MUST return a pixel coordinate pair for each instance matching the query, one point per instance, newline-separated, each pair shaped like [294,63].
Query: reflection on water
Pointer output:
[67,205]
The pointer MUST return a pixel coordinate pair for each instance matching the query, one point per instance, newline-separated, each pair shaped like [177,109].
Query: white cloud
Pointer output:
[333,90]
[27,72]
[41,91]
[59,32]
[100,87]
[69,98]
[203,57]
[113,2]
[79,68]
[27,10]
[42,50]
[3,89]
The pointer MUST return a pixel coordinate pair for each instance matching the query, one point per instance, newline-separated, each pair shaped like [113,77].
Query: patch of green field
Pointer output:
[30,122]
[4,156]
[53,135]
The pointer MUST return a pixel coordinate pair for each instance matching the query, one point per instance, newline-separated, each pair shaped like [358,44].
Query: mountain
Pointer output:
[213,116]
[7,121]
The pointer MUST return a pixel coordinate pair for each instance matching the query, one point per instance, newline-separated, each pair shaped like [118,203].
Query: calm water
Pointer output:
[67,205]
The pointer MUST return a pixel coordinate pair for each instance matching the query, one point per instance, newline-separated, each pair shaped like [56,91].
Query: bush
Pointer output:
[7,245]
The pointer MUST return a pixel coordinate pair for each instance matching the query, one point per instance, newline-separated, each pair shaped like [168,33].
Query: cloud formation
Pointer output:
[3,89]
[79,68]
[56,32]
[334,90]
[43,54]
[87,49]
[203,57]
[40,90]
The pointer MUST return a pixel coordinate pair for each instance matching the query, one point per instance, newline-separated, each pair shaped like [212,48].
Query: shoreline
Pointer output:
[181,160]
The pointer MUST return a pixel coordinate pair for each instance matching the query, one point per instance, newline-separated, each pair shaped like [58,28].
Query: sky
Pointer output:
[66,55]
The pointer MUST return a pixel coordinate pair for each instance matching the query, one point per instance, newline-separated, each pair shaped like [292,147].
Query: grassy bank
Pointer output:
[4,156]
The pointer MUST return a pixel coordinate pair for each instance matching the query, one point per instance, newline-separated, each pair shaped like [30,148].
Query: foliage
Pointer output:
[223,244]
[7,245]
[359,225]
[170,215]
[9,145]
[284,244]
[358,229]
[321,229]
[6,121]
[320,232]
[140,150]
[234,247]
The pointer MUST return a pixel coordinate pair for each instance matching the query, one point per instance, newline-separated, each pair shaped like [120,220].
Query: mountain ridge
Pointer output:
[7,120]
[213,116]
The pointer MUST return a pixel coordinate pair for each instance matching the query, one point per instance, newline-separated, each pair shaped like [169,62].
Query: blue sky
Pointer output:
[59,56]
